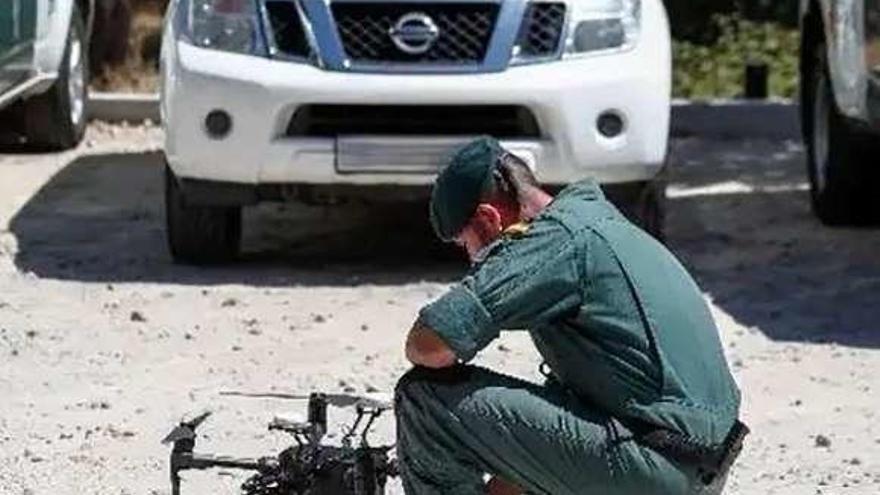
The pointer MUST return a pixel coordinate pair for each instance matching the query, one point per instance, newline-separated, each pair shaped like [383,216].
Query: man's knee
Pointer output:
[420,382]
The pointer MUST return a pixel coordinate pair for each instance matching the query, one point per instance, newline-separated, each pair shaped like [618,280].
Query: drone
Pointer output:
[308,467]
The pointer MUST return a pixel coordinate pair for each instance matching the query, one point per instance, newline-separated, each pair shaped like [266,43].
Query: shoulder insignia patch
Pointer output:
[517,230]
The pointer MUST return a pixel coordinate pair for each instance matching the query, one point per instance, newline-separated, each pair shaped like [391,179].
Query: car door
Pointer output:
[18,22]
[872,58]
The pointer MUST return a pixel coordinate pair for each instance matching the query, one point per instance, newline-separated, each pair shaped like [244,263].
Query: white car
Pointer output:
[317,99]
[840,108]
[44,69]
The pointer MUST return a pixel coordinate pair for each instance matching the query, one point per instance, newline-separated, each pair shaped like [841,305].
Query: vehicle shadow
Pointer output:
[101,219]
[739,219]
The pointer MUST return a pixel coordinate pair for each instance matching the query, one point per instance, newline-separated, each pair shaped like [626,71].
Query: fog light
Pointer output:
[218,123]
[610,124]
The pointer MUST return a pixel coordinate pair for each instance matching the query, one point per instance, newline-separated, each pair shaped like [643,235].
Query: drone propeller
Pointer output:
[186,430]
[335,400]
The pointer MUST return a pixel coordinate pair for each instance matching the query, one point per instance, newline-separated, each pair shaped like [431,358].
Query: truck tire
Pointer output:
[839,156]
[199,235]
[57,118]
[643,203]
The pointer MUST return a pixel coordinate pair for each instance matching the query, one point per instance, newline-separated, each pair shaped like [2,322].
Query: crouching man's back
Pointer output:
[639,397]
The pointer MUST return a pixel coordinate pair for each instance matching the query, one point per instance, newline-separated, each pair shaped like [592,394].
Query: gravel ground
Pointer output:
[105,343]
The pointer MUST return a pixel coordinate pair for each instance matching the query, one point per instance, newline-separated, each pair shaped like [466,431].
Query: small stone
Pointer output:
[31,334]
[319,318]
[855,461]
[371,389]
[364,327]
[255,331]
[503,348]
[188,336]
[236,348]
[228,303]
[137,316]
[823,441]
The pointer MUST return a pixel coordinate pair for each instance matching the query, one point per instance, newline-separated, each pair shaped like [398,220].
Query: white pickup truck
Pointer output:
[840,108]
[316,99]
[44,69]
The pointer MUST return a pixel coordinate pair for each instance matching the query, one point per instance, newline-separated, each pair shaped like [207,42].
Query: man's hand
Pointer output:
[497,486]
[425,348]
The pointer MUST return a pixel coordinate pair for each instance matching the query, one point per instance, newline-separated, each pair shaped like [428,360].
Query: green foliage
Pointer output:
[692,19]
[718,69]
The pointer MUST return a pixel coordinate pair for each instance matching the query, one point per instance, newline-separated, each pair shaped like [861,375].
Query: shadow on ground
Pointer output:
[755,248]
[101,219]
[740,219]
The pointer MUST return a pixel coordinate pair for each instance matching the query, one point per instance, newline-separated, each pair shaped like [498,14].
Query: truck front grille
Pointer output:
[286,29]
[542,29]
[464,31]
[503,121]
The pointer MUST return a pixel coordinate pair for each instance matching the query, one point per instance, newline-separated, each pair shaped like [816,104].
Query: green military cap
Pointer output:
[460,185]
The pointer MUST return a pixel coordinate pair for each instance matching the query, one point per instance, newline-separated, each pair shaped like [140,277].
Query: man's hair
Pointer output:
[512,181]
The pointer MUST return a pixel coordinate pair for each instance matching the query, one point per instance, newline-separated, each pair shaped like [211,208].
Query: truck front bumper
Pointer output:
[565,97]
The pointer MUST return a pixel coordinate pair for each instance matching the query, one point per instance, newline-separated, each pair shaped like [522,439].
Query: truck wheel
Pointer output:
[199,235]
[56,119]
[643,203]
[838,156]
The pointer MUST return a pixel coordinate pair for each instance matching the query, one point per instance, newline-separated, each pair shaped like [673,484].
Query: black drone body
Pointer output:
[307,468]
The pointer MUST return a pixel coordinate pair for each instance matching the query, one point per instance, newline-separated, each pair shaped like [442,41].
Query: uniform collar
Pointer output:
[587,189]
[514,231]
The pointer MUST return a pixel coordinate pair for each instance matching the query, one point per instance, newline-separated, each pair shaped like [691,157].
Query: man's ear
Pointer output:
[489,216]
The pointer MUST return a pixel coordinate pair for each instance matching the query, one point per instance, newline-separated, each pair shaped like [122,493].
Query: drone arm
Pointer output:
[374,414]
[184,461]
[351,431]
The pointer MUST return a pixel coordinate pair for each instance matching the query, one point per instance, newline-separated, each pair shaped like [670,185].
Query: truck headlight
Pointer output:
[602,25]
[228,25]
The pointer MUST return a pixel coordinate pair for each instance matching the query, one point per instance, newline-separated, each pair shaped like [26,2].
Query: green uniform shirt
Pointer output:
[615,316]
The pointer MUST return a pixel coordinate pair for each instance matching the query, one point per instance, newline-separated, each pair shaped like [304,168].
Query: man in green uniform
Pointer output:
[639,398]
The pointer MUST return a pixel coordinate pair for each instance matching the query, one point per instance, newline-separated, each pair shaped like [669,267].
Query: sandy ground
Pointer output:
[104,343]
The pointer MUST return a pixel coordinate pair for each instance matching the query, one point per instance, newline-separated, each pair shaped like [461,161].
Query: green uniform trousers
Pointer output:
[455,425]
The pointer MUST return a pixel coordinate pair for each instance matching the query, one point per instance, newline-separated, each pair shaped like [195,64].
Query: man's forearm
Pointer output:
[425,348]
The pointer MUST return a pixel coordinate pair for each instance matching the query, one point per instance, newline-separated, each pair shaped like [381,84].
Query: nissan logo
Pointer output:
[414,33]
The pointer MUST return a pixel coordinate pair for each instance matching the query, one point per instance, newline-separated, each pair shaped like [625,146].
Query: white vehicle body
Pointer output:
[840,107]
[565,96]
[850,33]
[322,100]
[43,55]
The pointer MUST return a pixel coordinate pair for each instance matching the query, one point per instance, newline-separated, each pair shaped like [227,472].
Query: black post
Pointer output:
[318,414]
[757,80]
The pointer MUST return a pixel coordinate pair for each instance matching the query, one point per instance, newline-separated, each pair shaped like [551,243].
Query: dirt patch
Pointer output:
[104,343]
